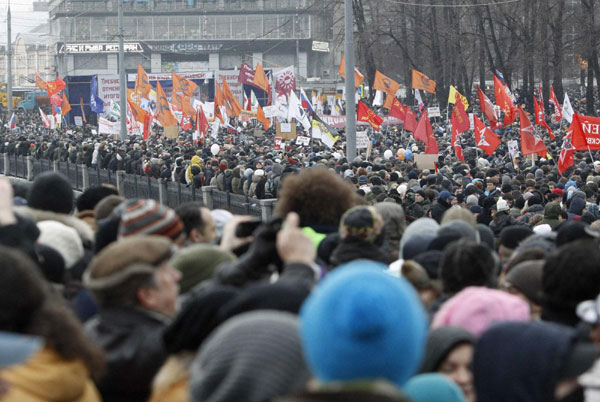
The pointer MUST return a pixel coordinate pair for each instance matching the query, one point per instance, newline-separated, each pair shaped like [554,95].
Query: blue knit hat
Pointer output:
[362,324]
[433,387]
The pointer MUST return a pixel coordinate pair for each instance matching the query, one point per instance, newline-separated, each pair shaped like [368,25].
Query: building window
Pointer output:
[223,25]
[208,26]
[254,26]
[130,28]
[176,28]
[82,28]
[238,25]
[145,28]
[270,26]
[286,26]
[90,61]
[112,28]
[161,28]
[192,27]
[99,29]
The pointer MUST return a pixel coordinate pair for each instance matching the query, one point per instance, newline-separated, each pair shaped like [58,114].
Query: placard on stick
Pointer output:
[286,135]
[425,161]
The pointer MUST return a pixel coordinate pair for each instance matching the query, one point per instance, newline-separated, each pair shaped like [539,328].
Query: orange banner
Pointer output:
[66,106]
[142,84]
[385,84]
[163,111]
[260,79]
[358,77]
[421,81]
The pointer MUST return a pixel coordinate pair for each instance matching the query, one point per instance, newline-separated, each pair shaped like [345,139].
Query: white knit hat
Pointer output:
[63,239]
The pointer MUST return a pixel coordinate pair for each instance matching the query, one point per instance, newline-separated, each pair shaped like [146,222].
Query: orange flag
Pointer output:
[163,111]
[186,87]
[39,82]
[260,116]
[139,114]
[233,102]
[142,85]
[385,84]
[358,77]
[66,106]
[421,81]
[260,79]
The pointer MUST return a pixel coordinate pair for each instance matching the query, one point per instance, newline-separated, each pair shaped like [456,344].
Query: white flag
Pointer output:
[378,101]
[418,98]
[567,109]
[296,111]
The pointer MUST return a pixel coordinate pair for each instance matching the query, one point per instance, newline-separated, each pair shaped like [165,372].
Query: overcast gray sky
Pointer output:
[23,17]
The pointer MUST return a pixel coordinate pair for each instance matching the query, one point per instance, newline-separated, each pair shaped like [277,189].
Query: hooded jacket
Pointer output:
[518,361]
[47,377]
[440,342]
[551,215]
[576,208]
[236,181]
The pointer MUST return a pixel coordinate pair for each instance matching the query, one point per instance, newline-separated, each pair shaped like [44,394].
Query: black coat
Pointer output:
[134,351]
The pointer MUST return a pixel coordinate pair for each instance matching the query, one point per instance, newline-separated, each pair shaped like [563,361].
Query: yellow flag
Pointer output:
[452,97]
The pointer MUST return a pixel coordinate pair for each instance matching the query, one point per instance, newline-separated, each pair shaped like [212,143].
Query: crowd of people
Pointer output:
[375,280]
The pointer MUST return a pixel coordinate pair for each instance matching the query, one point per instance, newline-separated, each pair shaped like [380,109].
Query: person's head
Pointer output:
[319,196]
[51,191]
[88,200]
[449,351]
[198,263]
[135,272]
[148,217]
[491,184]
[433,387]
[565,283]
[530,361]
[420,196]
[466,263]
[198,222]
[105,207]
[27,306]
[253,357]
[363,324]
[525,281]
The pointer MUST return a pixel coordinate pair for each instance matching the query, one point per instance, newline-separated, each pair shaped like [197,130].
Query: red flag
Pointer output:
[557,108]
[456,145]
[147,123]
[398,109]
[586,134]
[55,86]
[541,95]
[485,139]
[82,110]
[460,119]
[565,159]
[540,119]
[487,108]
[505,101]
[186,122]
[424,132]
[363,113]
[410,121]
[201,125]
[531,142]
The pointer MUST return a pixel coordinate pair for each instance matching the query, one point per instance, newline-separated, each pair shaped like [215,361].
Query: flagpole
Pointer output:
[122,78]
[349,81]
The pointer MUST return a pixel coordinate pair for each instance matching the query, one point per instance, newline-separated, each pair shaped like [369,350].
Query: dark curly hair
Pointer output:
[466,263]
[319,196]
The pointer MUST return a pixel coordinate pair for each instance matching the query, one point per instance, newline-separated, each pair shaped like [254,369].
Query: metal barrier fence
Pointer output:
[168,193]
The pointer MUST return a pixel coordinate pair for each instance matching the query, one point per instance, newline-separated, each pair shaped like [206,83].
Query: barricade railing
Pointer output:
[168,193]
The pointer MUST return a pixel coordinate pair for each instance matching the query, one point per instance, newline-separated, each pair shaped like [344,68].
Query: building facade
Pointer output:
[193,35]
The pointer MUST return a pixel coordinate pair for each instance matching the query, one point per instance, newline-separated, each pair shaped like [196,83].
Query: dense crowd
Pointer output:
[375,280]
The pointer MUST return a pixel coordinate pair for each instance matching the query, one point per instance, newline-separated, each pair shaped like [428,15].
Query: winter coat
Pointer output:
[49,377]
[378,391]
[171,382]
[236,182]
[502,221]
[252,189]
[438,208]
[537,209]
[132,342]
